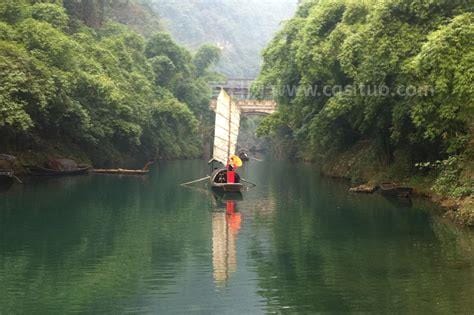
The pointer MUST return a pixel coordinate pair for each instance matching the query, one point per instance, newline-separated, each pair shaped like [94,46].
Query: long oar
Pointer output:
[248,182]
[196,181]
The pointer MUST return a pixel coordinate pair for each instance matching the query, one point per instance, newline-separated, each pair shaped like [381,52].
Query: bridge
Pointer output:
[240,91]
[229,101]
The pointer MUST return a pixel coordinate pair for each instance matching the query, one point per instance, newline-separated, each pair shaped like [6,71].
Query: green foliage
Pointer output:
[170,127]
[163,68]
[161,44]
[106,90]
[91,12]
[12,11]
[445,64]
[206,56]
[48,43]
[7,32]
[449,182]
[51,13]
[366,53]
[25,87]
[269,125]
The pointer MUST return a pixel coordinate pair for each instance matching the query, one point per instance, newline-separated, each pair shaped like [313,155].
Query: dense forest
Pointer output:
[384,86]
[76,81]
[241,28]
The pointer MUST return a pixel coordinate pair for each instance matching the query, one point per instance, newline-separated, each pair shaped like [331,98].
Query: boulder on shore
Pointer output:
[365,189]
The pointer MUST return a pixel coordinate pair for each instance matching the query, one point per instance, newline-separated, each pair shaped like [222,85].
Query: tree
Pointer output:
[91,12]
[106,91]
[356,48]
[51,13]
[205,57]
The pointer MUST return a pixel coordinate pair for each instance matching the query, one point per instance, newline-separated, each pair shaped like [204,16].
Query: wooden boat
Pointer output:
[43,171]
[119,171]
[224,163]
[219,182]
[391,189]
[58,167]
[225,142]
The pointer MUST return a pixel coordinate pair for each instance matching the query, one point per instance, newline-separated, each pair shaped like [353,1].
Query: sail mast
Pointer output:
[230,126]
[226,128]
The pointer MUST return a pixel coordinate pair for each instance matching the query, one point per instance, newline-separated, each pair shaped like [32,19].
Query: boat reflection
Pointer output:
[226,223]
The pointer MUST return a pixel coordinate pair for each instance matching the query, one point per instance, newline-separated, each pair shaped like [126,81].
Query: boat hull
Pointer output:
[219,182]
[41,171]
[227,187]
[227,196]
[120,172]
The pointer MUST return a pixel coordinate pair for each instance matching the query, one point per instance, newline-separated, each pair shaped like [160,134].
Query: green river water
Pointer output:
[298,243]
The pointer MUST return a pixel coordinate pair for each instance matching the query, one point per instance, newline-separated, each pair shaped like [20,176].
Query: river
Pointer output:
[297,242]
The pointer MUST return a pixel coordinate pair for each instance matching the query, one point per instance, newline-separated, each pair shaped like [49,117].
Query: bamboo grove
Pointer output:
[371,54]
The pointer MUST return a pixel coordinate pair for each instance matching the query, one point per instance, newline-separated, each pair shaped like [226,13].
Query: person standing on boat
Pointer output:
[232,165]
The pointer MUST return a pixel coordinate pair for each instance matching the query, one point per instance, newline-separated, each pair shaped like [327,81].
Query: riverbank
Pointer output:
[96,156]
[361,165]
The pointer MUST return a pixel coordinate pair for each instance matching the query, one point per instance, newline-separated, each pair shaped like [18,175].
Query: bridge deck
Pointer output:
[240,90]
[251,106]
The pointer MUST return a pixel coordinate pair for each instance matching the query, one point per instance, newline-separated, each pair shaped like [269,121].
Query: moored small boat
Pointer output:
[58,167]
[42,171]
[120,171]
[391,189]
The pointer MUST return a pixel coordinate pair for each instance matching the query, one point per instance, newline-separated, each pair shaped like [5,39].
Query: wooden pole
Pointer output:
[196,181]
[230,125]
[248,182]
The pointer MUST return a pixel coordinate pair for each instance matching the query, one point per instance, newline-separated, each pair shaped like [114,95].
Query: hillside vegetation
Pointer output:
[73,80]
[240,28]
[399,76]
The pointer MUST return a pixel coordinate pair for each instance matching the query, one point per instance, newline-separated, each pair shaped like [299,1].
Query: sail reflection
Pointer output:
[225,229]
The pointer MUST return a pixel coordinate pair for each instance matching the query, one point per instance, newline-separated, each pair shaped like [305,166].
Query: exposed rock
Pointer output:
[365,189]
[462,211]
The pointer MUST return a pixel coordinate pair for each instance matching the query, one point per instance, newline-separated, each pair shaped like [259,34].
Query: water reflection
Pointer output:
[226,224]
[295,243]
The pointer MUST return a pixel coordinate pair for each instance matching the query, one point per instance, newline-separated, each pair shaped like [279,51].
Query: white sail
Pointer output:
[226,128]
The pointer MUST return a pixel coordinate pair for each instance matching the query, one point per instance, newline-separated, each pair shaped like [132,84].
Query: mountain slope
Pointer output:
[240,28]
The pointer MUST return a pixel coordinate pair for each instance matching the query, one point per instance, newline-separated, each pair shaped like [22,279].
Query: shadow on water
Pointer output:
[296,242]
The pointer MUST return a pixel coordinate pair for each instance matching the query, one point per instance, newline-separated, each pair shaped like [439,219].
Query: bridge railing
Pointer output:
[241,89]
[251,106]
